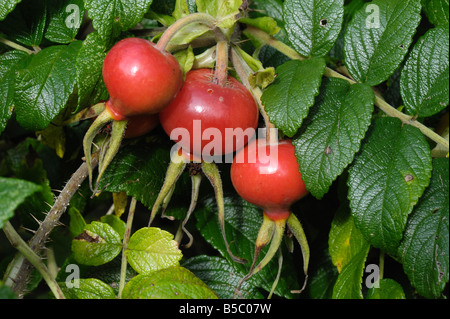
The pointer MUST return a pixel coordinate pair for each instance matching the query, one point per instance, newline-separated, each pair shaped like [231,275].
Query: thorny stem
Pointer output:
[126,239]
[244,71]
[379,101]
[18,243]
[20,277]
[15,46]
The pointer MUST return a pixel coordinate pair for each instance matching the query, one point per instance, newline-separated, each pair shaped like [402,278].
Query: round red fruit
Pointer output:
[268,177]
[214,116]
[140,78]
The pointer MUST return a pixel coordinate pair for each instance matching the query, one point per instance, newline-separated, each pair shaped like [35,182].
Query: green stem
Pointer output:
[277,279]
[126,239]
[18,243]
[381,265]
[244,71]
[202,18]
[196,181]
[15,46]
[379,101]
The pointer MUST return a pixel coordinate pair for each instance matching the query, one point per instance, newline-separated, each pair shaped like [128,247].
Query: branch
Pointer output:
[23,267]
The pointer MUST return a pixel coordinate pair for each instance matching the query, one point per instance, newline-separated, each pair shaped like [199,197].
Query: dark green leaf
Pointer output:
[89,63]
[333,133]
[139,170]
[170,283]
[44,86]
[9,63]
[242,221]
[65,19]
[26,23]
[151,249]
[387,289]
[437,11]
[288,99]
[424,82]
[221,277]
[424,249]
[90,288]
[98,244]
[13,192]
[110,17]
[313,25]
[6,6]
[386,181]
[378,37]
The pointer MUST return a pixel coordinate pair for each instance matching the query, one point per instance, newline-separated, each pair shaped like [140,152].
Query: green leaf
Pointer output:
[424,82]
[242,221]
[139,170]
[424,250]
[89,63]
[267,24]
[224,11]
[437,11]
[288,99]
[13,192]
[220,275]
[151,249]
[98,244]
[387,289]
[110,17]
[313,26]
[378,37]
[345,240]
[116,223]
[90,288]
[333,133]
[9,63]
[26,24]
[348,284]
[386,181]
[65,18]
[6,6]
[170,283]
[44,86]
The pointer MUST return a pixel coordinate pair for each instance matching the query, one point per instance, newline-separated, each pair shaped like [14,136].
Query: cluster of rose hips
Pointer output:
[147,86]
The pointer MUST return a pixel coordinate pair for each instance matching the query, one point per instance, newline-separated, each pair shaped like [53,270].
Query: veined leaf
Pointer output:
[378,37]
[90,288]
[110,17]
[6,6]
[65,18]
[89,63]
[424,82]
[288,99]
[386,181]
[333,133]
[348,284]
[169,283]
[424,250]
[13,192]
[313,26]
[98,244]
[224,11]
[220,276]
[437,11]
[43,87]
[151,249]
[9,63]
